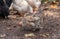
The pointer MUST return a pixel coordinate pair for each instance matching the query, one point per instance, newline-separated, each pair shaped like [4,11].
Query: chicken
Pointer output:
[21,6]
[4,9]
[26,6]
[31,22]
[35,4]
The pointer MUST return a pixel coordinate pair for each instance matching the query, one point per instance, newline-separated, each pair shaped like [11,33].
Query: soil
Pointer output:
[50,29]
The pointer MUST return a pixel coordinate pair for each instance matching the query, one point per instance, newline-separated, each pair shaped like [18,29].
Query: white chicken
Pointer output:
[35,4]
[25,6]
[21,6]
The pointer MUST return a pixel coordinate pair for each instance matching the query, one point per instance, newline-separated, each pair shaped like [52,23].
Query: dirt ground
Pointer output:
[50,29]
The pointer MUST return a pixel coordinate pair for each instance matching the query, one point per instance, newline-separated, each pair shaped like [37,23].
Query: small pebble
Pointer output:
[2,35]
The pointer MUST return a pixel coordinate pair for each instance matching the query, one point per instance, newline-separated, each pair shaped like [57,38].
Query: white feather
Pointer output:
[21,5]
[35,3]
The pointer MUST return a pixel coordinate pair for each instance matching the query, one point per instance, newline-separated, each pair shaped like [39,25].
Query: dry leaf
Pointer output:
[53,6]
[44,35]
[29,35]
[47,34]
[12,16]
